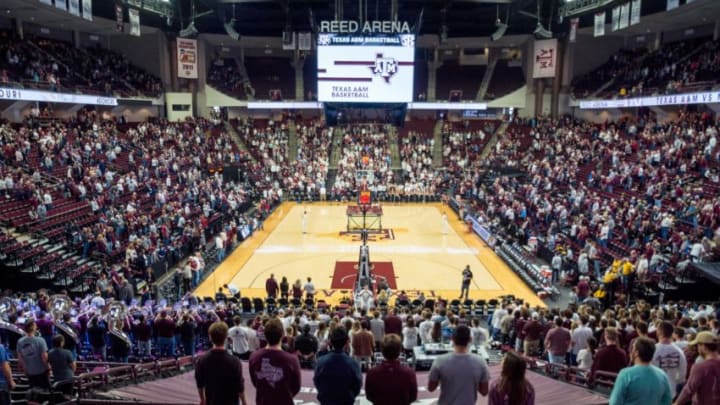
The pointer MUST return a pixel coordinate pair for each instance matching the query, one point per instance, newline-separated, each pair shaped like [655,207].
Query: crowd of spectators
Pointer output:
[639,193]
[673,68]
[45,63]
[365,158]
[308,174]
[416,161]
[226,76]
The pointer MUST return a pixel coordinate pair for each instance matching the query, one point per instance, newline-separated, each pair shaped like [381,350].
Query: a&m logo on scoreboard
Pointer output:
[384,67]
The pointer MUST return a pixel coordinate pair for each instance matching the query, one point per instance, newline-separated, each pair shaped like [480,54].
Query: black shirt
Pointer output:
[220,374]
[306,344]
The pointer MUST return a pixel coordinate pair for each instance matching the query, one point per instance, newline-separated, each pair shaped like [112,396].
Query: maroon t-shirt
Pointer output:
[165,327]
[533,329]
[142,332]
[611,359]
[391,383]
[275,375]
[393,324]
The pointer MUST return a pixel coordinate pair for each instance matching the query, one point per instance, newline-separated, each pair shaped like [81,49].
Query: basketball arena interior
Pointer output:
[357,201]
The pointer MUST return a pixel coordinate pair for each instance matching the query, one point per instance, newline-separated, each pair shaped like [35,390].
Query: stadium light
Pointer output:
[230,30]
[541,32]
[500,31]
[189,31]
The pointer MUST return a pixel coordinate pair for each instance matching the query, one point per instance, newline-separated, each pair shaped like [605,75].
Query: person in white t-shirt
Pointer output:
[580,336]
[425,328]
[240,339]
[670,358]
[586,355]
[410,337]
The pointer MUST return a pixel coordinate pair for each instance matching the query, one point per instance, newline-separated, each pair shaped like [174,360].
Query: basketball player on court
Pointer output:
[466,279]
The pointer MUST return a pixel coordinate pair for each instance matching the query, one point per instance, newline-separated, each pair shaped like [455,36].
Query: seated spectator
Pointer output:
[512,387]
[390,382]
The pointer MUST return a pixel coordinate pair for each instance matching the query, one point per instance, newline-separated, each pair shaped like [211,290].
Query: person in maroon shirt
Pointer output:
[520,322]
[609,358]
[391,383]
[142,332]
[274,373]
[557,342]
[393,323]
[165,328]
[45,327]
[533,329]
[702,385]
[271,286]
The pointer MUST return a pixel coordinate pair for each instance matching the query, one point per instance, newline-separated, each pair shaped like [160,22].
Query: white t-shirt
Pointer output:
[584,359]
[672,361]
[424,330]
[410,336]
[579,338]
[240,337]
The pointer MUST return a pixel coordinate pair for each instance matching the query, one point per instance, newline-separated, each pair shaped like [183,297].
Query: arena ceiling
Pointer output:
[268,18]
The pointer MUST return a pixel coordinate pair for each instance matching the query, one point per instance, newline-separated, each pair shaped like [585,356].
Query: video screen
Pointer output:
[365,69]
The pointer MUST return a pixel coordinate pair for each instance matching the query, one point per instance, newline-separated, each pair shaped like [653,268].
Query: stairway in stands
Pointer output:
[438,146]
[394,149]
[499,132]
[238,140]
[292,142]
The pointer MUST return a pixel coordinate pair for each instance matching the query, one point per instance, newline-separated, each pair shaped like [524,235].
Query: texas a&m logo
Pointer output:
[384,67]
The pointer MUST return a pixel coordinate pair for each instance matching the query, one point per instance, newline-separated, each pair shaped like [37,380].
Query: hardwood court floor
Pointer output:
[423,258]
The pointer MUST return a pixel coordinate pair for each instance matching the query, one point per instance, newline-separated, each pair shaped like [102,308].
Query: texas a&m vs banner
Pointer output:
[187,58]
[545,58]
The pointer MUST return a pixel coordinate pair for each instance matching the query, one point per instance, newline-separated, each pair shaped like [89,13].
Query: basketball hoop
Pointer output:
[364,199]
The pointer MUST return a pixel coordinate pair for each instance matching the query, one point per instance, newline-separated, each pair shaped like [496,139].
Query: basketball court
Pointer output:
[411,251]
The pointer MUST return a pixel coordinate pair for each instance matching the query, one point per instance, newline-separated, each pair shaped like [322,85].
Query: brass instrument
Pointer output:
[7,309]
[115,315]
[59,305]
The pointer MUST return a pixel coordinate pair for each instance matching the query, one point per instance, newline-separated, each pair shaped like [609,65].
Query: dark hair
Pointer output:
[273,331]
[218,333]
[665,329]
[391,346]
[237,320]
[58,341]
[592,345]
[512,379]
[338,338]
[461,335]
[645,348]
[642,327]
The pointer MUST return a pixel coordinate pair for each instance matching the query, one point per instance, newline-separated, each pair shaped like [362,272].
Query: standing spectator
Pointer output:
[580,336]
[284,288]
[218,374]
[62,362]
[187,334]
[165,328]
[610,358]
[337,376]
[307,346]
[142,332]
[274,373]
[362,343]
[271,286]
[220,248]
[533,329]
[297,289]
[391,383]
[702,385]
[512,387]
[669,357]
[377,327]
[642,383]
[461,374]
[393,323]
[33,357]
[586,355]
[309,289]
[557,342]
[7,383]
[96,338]
[240,337]
[556,264]
[410,335]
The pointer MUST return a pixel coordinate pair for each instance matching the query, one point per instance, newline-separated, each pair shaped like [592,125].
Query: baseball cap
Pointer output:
[705,337]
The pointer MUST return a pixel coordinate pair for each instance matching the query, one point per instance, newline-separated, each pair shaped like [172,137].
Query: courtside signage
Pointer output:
[51,97]
[710,97]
